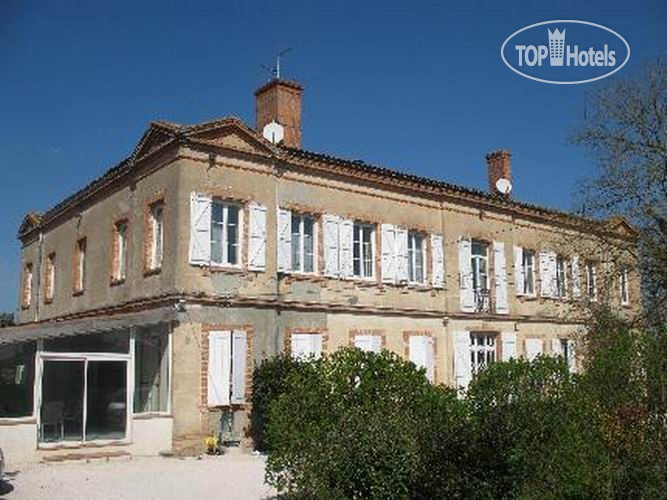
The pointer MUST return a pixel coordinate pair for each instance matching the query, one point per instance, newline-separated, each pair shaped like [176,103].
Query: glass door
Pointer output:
[61,412]
[83,400]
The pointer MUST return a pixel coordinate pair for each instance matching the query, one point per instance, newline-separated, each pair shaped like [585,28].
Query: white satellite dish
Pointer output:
[503,185]
[273,132]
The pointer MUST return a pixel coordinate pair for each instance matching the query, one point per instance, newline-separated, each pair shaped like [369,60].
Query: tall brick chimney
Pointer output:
[280,100]
[499,164]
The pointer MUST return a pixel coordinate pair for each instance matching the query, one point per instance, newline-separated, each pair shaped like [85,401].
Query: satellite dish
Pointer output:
[504,186]
[273,132]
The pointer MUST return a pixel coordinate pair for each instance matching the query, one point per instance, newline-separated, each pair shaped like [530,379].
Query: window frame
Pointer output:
[561,277]
[134,343]
[490,350]
[306,334]
[120,251]
[50,278]
[224,251]
[302,216]
[156,240]
[26,291]
[624,288]
[412,257]
[79,271]
[360,245]
[525,267]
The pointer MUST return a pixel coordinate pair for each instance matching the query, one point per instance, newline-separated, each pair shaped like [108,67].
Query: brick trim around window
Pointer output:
[366,331]
[314,330]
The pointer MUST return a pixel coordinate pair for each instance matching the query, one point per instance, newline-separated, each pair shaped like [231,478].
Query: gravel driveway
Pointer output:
[231,476]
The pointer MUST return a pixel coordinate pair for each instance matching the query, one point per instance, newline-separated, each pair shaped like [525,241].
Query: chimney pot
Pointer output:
[280,100]
[499,166]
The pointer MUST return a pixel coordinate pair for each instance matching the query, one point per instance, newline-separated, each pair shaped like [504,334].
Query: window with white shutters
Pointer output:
[561,289]
[526,279]
[421,349]
[508,345]
[331,240]
[257,237]
[548,274]
[462,359]
[576,277]
[303,243]
[363,250]
[227,354]
[466,290]
[305,346]
[500,275]
[533,348]
[200,229]
[480,277]
[225,233]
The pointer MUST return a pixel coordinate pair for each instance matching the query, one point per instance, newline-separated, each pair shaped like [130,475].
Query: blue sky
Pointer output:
[413,85]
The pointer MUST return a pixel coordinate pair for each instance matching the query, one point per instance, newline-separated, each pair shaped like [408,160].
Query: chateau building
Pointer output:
[148,296]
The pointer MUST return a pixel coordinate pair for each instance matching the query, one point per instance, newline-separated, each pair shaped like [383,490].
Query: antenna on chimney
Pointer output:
[280,55]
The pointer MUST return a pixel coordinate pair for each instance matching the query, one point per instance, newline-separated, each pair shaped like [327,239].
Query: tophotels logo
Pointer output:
[593,52]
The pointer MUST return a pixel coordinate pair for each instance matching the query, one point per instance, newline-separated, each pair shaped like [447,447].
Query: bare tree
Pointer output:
[627,134]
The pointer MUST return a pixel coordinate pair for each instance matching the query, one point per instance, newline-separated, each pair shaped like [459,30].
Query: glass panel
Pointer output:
[367,251]
[17,375]
[356,250]
[419,259]
[117,341]
[232,234]
[61,417]
[308,250]
[151,375]
[296,243]
[106,408]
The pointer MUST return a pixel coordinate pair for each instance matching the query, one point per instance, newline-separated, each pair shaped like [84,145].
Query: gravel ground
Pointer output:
[230,477]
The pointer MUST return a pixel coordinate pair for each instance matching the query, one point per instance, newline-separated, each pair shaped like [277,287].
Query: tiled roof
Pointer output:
[177,130]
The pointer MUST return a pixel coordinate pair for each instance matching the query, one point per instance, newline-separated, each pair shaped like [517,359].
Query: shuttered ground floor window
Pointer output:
[227,352]
[422,354]
[483,351]
[306,346]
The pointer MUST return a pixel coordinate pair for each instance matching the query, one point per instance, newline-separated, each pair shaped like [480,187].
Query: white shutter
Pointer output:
[200,229]
[571,356]
[219,367]
[368,343]
[284,240]
[388,236]
[430,358]
[556,347]
[239,351]
[462,367]
[421,353]
[401,255]
[330,224]
[533,348]
[508,340]
[437,261]
[345,242]
[306,346]
[545,275]
[519,271]
[500,273]
[465,276]
[257,242]
[552,274]
[576,277]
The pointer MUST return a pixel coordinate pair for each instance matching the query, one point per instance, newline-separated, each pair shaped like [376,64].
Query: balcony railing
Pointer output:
[482,301]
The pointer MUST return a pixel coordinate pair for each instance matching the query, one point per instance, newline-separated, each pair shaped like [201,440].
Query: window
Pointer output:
[80,265]
[227,352]
[225,246]
[480,278]
[151,371]
[27,286]
[50,277]
[368,342]
[303,246]
[560,277]
[422,354]
[156,212]
[482,351]
[591,281]
[363,249]
[623,284]
[306,346]
[528,265]
[17,374]
[119,267]
[415,257]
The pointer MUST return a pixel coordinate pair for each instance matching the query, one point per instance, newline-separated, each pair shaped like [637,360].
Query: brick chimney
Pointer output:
[499,164]
[280,100]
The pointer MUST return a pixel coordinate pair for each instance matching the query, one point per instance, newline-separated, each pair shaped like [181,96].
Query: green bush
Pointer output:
[268,382]
[350,426]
